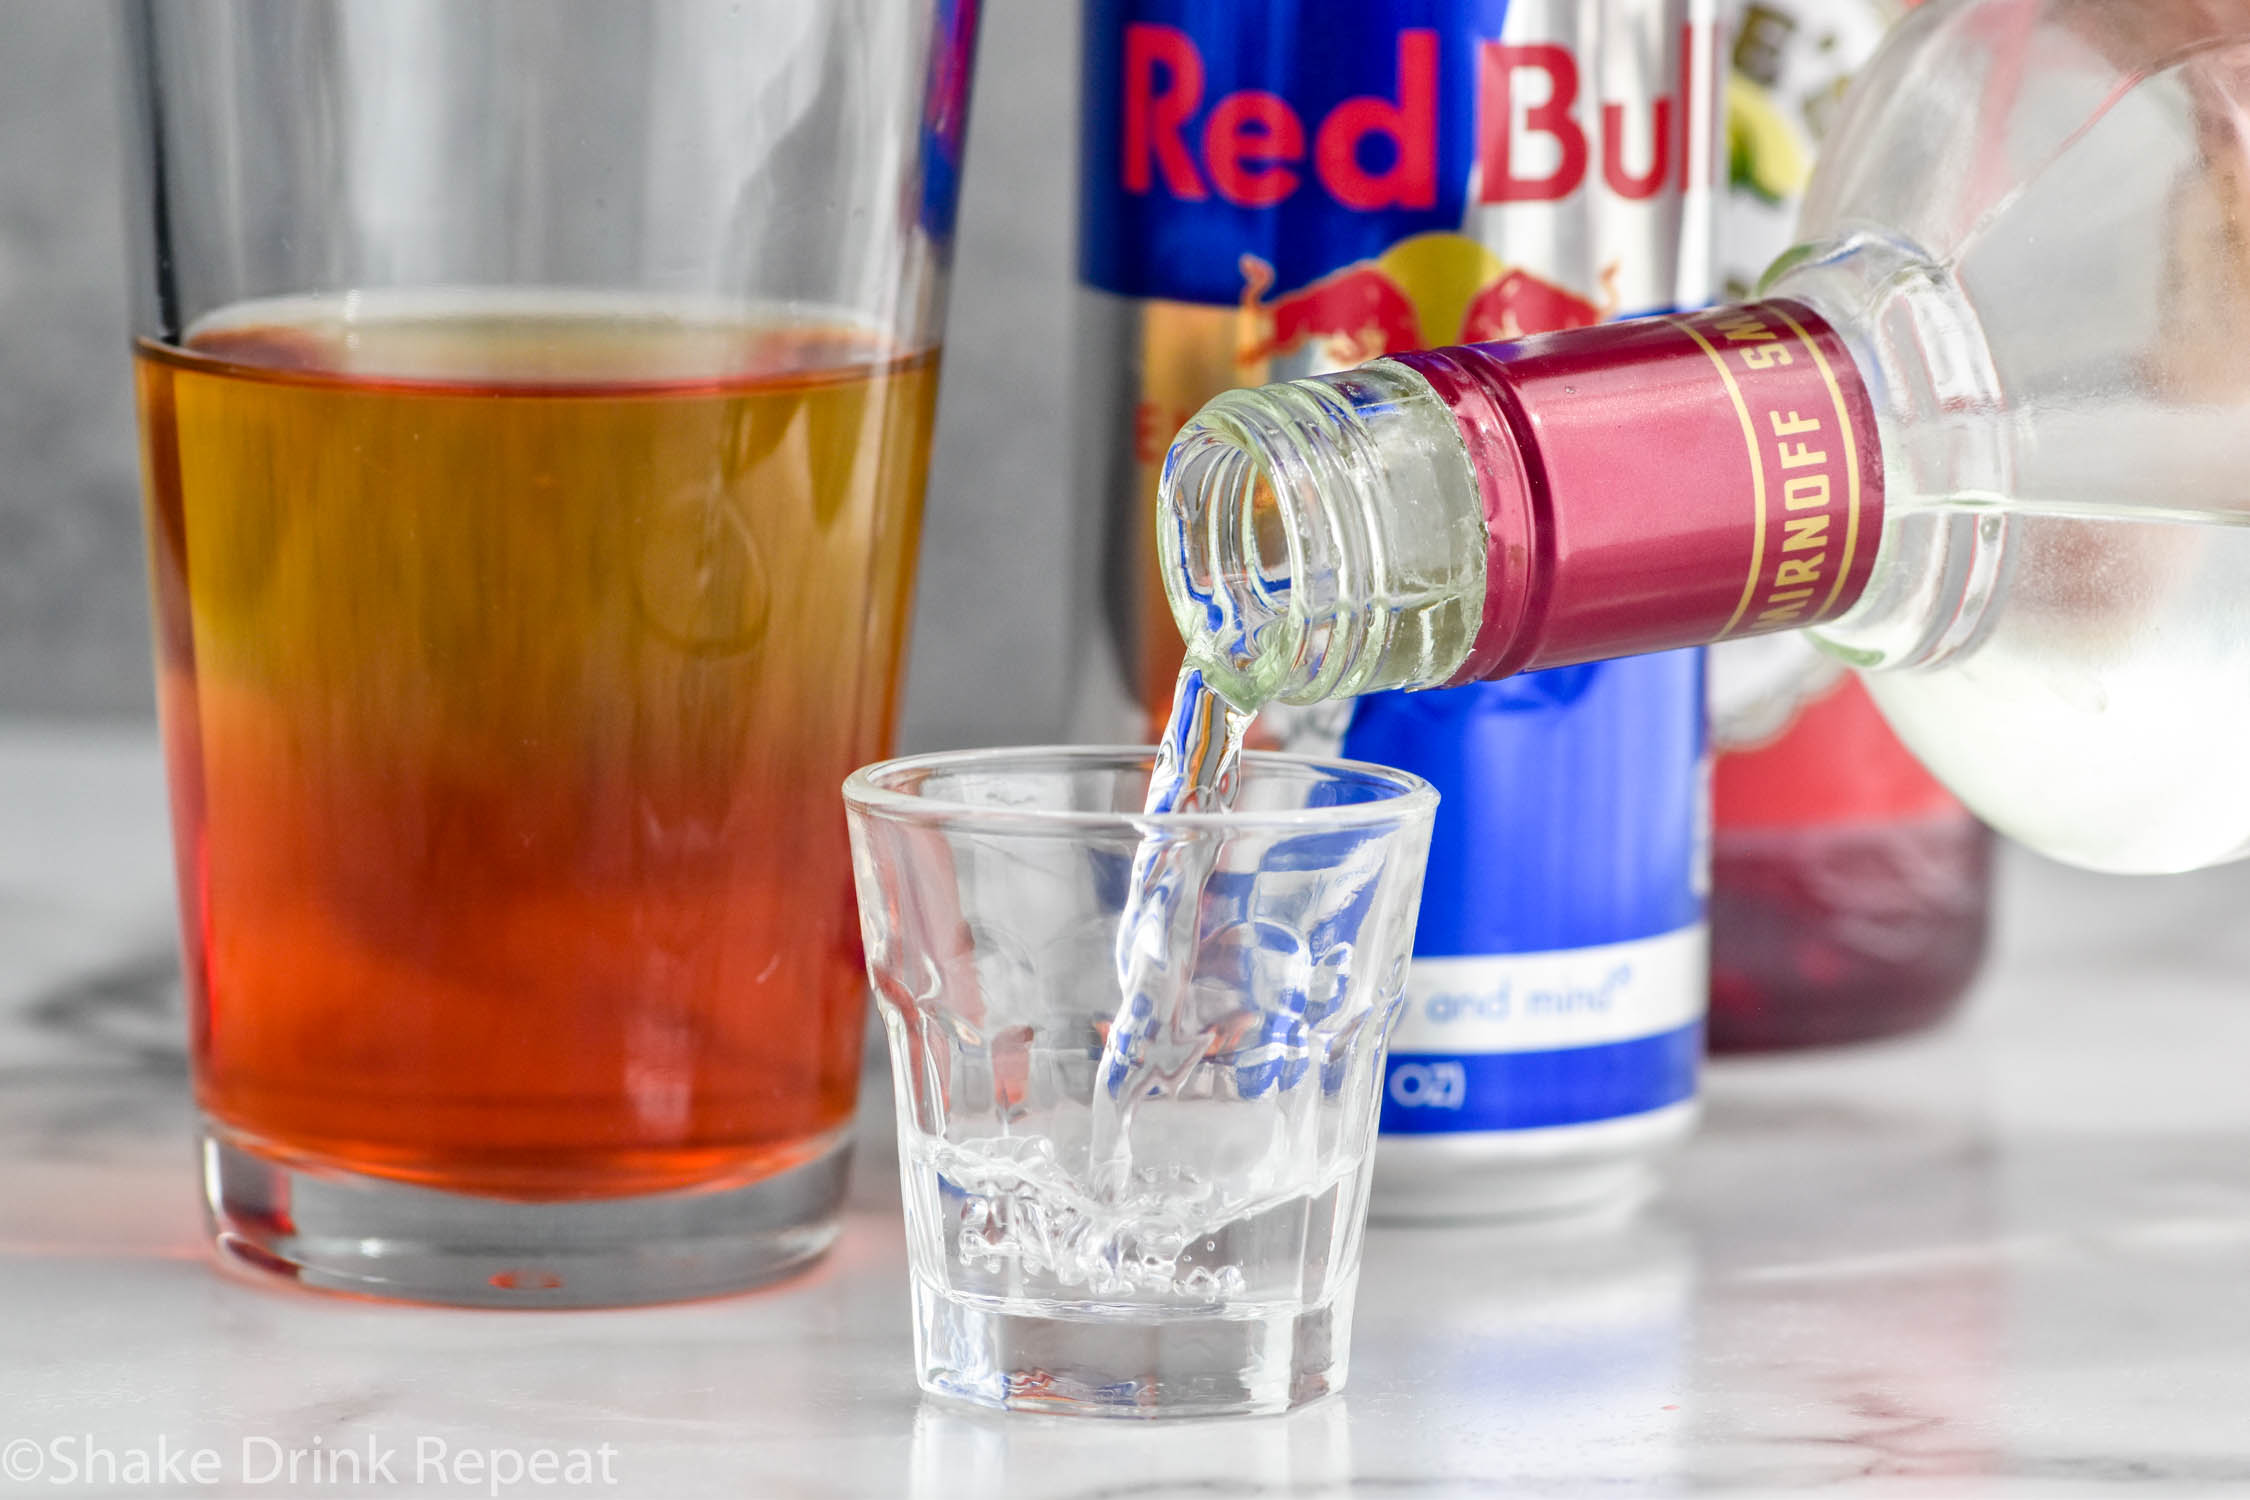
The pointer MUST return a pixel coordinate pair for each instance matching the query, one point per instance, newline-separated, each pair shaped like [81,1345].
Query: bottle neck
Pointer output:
[1667,482]
[1323,538]
[1468,513]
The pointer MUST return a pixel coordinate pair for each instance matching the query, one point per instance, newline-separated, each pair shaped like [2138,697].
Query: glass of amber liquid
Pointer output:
[535,397]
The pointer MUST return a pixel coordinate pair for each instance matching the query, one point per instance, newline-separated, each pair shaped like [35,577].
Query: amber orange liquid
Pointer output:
[510,661]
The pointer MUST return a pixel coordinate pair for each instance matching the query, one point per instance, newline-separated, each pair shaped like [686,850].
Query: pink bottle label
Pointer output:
[1666,482]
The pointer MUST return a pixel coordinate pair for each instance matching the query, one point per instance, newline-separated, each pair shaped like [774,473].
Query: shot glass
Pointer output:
[1155,1213]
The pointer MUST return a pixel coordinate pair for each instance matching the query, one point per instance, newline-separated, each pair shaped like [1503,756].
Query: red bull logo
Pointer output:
[1536,136]
[1425,291]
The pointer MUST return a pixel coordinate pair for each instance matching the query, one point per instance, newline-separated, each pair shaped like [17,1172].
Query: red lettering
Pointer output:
[1253,142]
[1153,120]
[1253,127]
[1650,182]
[1697,153]
[1410,181]
[1551,116]
[1688,143]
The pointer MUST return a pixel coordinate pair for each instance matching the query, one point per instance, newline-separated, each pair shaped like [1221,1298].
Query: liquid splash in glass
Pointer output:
[1153,1043]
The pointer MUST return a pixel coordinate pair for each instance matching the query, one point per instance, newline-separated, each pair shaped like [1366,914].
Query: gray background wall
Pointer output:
[989,654]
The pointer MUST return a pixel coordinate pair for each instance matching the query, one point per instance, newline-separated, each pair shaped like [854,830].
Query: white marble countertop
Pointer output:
[2009,1259]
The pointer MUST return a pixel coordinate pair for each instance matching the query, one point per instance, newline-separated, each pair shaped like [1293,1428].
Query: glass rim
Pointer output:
[865,792]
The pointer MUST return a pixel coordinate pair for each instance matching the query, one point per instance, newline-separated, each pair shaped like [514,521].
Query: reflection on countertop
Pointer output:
[2009,1259]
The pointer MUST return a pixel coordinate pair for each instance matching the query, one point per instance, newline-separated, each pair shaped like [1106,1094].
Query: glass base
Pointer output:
[1179,1365]
[346,1232]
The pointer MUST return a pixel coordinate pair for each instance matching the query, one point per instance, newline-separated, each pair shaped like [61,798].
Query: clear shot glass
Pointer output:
[1143,1214]
[535,397]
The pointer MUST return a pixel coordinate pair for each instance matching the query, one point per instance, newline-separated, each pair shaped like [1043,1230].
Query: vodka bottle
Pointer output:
[1986,435]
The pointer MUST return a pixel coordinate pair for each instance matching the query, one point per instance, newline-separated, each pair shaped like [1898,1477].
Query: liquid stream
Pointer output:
[1152,1045]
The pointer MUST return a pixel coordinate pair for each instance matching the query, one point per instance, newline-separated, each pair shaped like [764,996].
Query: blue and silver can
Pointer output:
[1549,1046]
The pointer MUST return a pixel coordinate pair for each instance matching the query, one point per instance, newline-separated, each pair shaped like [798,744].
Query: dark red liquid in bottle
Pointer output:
[1850,894]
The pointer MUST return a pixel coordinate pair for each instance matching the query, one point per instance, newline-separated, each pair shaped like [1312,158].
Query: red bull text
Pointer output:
[1276,188]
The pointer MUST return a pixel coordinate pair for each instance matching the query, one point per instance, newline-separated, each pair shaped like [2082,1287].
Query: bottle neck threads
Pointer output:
[1323,538]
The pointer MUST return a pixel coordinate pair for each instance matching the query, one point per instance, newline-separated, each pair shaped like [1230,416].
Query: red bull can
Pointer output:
[1278,188]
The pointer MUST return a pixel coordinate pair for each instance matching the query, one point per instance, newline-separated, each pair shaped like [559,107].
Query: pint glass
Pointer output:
[535,398]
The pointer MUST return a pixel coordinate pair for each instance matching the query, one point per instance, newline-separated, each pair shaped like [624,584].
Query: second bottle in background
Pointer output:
[1274,188]
[1851,893]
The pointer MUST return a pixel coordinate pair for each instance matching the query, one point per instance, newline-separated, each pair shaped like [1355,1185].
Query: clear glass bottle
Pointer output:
[1984,436]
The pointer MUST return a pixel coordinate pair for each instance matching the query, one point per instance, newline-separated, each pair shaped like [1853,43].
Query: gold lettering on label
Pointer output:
[1805,532]
[1805,492]
[1843,571]
[1740,325]
[1756,464]
[1788,444]
[1784,614]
